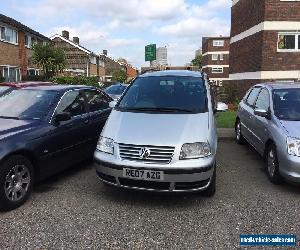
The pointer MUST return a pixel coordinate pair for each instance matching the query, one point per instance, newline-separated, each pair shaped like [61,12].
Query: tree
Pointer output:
[50,58]
[197,61]
[119,76]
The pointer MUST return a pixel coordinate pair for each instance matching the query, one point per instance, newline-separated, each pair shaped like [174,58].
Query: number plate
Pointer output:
[138,174]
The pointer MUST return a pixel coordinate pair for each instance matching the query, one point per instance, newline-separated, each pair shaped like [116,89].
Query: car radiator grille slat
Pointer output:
[159,154]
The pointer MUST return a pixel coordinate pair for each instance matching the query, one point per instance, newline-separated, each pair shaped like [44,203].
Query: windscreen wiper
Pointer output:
[171,110]
[10,117]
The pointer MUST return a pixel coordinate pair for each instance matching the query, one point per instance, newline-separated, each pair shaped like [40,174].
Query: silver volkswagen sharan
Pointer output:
[161,135]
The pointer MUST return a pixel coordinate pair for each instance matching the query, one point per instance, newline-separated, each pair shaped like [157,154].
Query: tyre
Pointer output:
[16,181]
[211,190]
[272,165]
[238,133]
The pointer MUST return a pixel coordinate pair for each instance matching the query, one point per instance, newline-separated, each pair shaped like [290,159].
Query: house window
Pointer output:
[288,42]
[217,70]
[214,57]
[218,43]
[2,30]
[9,35]
[28,41]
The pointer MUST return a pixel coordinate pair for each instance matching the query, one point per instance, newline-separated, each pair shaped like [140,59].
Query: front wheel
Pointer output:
[272,165]
[16,180]
[239,138]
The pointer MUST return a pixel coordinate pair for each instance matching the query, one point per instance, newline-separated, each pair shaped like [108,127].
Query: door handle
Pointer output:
[86,122]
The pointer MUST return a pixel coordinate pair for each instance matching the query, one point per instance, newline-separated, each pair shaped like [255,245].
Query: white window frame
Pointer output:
[14,30]
[218,43]
[296,34]
[215,57]
[217,70]
[28,46]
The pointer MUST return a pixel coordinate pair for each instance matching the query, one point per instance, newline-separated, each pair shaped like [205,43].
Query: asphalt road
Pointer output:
[74,211]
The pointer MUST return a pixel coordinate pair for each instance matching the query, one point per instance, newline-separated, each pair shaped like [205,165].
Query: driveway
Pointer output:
[75,211]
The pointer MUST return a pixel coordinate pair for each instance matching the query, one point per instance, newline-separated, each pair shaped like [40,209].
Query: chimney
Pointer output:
[76,39]
[65,34]
[105,52]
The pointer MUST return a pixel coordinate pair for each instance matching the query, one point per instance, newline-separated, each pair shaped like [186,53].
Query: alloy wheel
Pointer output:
[17,182]
[238,131]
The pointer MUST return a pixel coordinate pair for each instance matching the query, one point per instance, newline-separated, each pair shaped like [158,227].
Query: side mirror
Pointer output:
[61,117]
[221,107]
[112,104]
[262,113]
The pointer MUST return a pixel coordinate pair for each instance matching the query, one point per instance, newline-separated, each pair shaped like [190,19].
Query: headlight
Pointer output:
[195,150]
[105,145]
[293,146]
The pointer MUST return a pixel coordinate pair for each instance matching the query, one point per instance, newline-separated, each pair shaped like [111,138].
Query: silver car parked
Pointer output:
[161,135]
[268,118]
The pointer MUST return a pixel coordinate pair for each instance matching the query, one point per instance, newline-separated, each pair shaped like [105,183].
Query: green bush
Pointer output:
[40,78]
[2,79]
[76,80]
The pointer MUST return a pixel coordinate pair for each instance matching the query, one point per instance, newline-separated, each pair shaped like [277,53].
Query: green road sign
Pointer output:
[150,52]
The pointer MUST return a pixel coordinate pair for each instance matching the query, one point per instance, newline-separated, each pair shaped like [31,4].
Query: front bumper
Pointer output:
[290,167]
[195,177]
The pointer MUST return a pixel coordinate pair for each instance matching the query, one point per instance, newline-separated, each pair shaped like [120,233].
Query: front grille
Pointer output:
[162,186]
[158,154]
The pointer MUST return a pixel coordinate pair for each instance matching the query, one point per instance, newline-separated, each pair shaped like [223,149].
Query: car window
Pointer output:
[27,103]
[287,104]
[263,100]
[166,93]
[252,96]
[72,102]
[96,100]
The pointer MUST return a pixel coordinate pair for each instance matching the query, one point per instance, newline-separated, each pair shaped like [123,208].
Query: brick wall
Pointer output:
[93,70]
[131,72]
[207,60]
[246,14]
[207,44]
[225,73]
[273,60]
[276,10]
[9,54]
[246,54]
[75,58]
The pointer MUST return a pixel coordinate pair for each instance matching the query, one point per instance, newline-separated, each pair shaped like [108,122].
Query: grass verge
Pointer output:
[226,119]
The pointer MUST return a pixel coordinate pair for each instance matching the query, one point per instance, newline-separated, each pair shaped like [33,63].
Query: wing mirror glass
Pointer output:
[262,113]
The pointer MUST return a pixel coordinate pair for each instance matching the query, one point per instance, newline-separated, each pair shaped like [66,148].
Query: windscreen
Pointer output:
[26,104]
[166,93]
[287,104]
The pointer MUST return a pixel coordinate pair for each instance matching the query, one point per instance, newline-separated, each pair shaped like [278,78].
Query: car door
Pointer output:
[99,110]
[260,124]
[65,143]
[247,114]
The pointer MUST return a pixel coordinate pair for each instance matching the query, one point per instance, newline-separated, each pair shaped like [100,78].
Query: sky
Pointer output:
[125,27]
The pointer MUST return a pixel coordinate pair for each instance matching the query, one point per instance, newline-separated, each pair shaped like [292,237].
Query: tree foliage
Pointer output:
[197,61]
[119,76]
[50,58]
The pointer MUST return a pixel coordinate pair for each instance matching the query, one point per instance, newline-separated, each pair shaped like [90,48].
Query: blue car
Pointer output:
[44,130]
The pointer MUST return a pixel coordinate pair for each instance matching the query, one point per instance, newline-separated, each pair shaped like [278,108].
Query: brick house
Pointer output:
[265,42]
[16,42]
[215,60]
[110,65]
[79,60]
